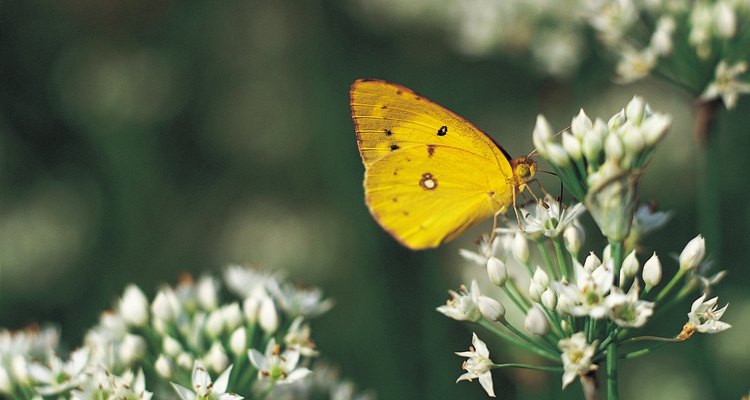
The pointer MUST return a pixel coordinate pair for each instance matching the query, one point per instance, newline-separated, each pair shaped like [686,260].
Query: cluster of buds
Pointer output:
[250,330]
[581,311]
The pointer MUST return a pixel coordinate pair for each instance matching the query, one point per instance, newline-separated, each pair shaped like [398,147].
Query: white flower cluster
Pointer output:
[548,32]
[689,42]
[577,310]
[185,335]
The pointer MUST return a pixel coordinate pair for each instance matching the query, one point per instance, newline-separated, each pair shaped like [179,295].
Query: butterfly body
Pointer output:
[429,174]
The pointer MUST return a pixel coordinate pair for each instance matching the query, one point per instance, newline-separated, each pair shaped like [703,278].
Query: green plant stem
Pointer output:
[612,389]
[519,343]
[511,284]
[709,175]
[544,251]
[512,297]
[670,286]
[552,347]
[527,366]
[616,252]
[562,260]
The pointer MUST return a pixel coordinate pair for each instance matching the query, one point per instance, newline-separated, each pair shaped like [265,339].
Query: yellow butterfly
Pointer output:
[429,174]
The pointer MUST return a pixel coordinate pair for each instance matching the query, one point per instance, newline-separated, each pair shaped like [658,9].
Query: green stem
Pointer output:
[513,298]
[709,175]
[520,343]
[544,251]
[670,286]
[616,252]
[562,260]
[527,366]
[551,347]
[612,390]
[511,284]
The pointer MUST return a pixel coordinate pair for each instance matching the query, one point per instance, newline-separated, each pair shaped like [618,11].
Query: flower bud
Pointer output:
[238,341]
[592,147]
[185,360]
[573,237]
[535,291]
[572,146]
[726,20]
[549,299]
[267,315]
[214,324]
[5,383]
[655,127]
[207,291]
[581,124]
[232,316]
[634,110]
[19,368]
[541,277]
[630,265]
[542,134]
[520,248]
[592,262]
[490,308]
[497,271]
[134,306]
[652,271]
[250,308]
[557,155]
[163,367]
[171,346]
[163,305]
[132,349]
[216,360]
[633,140]
[566,327]
[536,322]
[616,121]
[693,254]
[613,147]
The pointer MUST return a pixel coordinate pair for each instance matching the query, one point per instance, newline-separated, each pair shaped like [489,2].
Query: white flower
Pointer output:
[520,248]
[576,357]
[661,40]
[102,384]
[693,253]
[487,250]
[549,299]
[635,64]
[59,376]
[705,317]
[647,219]
[726,85]
[132,349]
[298,337]
[550,221]
[299,301]
[573,238]
[587,295]
[478,365]
[268,317]
[626,310]
[133,306]
[245,281]
[630,266]
[203,388]
[462,306]
[277,367]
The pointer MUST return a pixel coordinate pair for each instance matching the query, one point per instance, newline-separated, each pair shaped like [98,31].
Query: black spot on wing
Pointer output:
[442,131]
[394,147]
[388,132]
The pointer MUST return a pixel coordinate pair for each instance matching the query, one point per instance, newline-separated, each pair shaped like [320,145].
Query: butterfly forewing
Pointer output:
[429,174]
[388,116]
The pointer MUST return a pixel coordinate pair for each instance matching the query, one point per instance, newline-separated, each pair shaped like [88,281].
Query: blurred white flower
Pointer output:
[301,301]
[587,295]
[478,365]
[486,250]
[551,221]
[58,375]
[298,338]
[726,84]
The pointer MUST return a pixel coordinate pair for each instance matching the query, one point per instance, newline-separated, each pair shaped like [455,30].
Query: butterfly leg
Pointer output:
[515,209]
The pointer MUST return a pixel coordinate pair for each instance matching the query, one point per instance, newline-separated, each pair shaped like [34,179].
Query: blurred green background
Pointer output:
[140,139]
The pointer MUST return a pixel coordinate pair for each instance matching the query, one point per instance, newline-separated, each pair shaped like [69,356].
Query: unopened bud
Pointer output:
[536,322]
[497,271]
[520,248]
[490,308]
[693,253]
[652,271]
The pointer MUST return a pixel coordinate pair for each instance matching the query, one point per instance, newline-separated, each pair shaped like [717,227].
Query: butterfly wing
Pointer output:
[429,174]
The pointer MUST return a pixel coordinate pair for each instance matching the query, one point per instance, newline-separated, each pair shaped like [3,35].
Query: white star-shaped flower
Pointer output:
[705,317]
[726,85]
[576,357]
[274,366]
[478,365]
[204,388]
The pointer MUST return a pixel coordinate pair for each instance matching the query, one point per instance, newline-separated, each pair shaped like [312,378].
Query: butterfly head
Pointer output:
[524,169]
